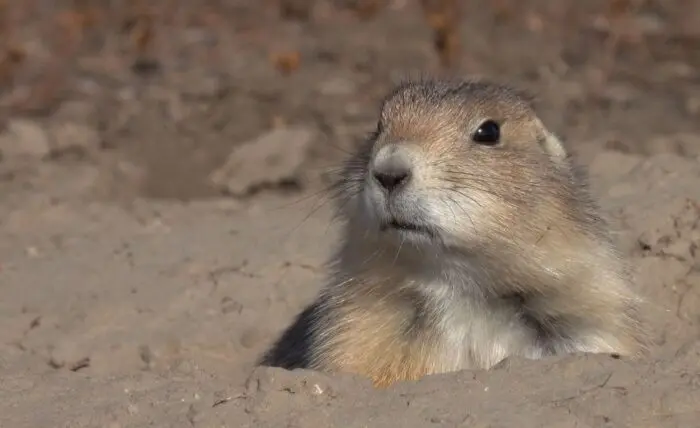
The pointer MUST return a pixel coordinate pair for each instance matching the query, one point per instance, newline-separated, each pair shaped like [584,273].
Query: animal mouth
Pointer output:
[407,227]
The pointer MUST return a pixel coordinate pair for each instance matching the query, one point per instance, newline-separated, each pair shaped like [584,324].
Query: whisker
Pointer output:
[396,257]
[306,217]
[476,188]
[466,213]
[319,193]
[376,254]
[511,181]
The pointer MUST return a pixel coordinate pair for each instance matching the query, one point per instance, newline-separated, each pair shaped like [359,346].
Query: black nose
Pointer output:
[393,178]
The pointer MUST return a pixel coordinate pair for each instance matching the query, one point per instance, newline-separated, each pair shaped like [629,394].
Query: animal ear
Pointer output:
[551,143]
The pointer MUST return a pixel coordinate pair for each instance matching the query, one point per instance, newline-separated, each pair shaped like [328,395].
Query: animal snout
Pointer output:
[392,178]
[391,169]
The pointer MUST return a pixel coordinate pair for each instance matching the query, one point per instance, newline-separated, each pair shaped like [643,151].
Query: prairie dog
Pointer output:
[469,235]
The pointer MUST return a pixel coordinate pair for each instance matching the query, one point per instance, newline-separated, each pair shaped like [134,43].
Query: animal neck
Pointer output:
[386,264]
[540,267]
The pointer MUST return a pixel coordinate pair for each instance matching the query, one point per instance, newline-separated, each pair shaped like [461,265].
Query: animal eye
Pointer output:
[488,133]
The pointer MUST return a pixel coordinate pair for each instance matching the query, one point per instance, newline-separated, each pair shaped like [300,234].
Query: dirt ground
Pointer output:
[162,213]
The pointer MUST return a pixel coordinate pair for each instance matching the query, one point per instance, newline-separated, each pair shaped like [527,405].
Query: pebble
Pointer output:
[692,105]
[228,305]
[200,86]
[682,144]
[75,111]
[250,338]
[74,137]
[23,139]
[271,159]
[336,86]
[621,93]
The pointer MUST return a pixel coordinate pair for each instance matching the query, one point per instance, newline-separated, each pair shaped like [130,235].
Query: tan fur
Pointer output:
[516,259]
[373,346]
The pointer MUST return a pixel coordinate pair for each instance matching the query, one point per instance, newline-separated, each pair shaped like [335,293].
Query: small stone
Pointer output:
[620,93]
[74,111]
[74,138]
[146,355]
[250,338]
[692,105]
[32,252]
[273,159]
[648,24]
[316,389]
[534,22]
[23,139]
[56,363]
[336,86]
[228,305]
[126,94]
[674,70]
[200,36]
[184,367]
[199,86]
[683,144]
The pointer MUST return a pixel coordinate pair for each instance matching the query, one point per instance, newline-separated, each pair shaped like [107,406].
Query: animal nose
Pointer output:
[392,178]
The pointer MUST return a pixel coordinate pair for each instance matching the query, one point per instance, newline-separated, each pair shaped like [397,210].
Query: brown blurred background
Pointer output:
[156,94]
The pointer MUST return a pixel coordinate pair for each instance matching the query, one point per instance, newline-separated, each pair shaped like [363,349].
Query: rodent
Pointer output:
[469,235]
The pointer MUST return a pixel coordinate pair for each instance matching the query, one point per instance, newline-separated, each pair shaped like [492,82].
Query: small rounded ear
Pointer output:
[551,143]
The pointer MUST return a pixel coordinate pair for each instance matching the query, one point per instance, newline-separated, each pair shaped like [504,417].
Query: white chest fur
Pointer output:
[472,332]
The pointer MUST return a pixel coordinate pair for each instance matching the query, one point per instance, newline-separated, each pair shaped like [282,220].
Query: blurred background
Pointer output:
[151,97]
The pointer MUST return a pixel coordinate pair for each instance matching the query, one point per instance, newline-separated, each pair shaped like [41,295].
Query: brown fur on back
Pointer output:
[519,260]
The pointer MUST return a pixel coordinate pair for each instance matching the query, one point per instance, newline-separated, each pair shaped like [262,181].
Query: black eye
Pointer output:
[488,133]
